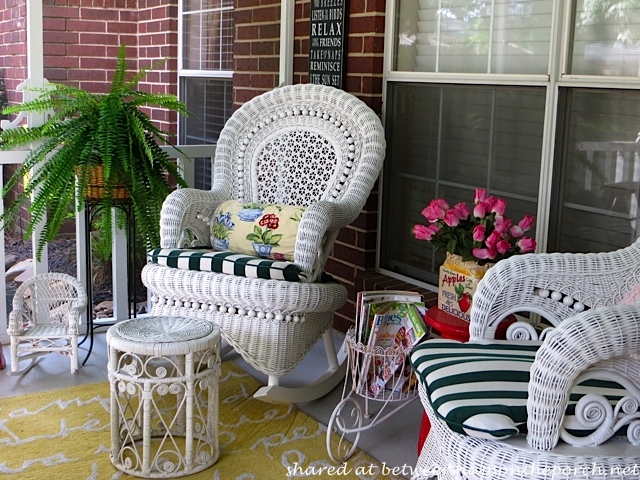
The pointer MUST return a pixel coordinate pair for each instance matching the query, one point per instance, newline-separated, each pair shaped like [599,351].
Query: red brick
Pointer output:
[304,46]
[54,49]
[376,6]
[54,24]
[241,48]
[340,269]
[247,32]
[61,12]
[266,14]
[99,14]
[372,85]
[128,15]
[86,26]
[301,28]
[366,221]
[241,79]
[242,16]
[249,64]
[59,37]
[118,27]
[240,4]
[56,74]
[98,39]
[347,235]
[263,48]
[373,44]
[365,65]
[357,6]
[269,31]
[367,24]
[61,62]
[266,82]
[269,64]
[354,44]
[367,240]
[86,50]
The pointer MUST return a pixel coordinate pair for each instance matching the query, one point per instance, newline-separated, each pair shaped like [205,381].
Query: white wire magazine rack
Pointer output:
[379,378]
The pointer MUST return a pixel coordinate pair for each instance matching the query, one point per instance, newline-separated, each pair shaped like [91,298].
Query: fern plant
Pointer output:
[85,130]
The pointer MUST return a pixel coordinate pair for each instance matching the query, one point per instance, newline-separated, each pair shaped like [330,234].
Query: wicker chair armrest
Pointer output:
[179,222]
[554,285]
[590,338]
[15,321]
[317,231]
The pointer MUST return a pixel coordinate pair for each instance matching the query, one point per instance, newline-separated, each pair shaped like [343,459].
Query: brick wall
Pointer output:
[158,39]
[13,46]
[256,48]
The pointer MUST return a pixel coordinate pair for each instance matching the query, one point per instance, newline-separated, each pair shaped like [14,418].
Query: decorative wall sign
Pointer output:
[327,46]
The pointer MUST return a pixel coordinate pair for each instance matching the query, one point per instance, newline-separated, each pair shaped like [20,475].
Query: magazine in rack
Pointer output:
[388,319]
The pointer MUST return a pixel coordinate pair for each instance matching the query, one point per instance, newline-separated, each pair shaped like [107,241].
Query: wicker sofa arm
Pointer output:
[181,218]
[596,338]
[555,285]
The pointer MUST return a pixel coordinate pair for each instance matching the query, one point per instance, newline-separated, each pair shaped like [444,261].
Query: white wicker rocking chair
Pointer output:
[595,339]
[45,318]
[305,145]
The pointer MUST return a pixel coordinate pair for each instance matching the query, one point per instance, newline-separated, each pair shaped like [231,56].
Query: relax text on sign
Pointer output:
[326,51]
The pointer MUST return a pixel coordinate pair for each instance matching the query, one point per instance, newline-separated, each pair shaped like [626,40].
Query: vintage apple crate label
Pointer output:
[457,285]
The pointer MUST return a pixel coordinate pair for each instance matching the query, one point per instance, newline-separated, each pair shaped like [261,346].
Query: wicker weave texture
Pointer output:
[45,318]
[594,339]
[307,145]
[554,285]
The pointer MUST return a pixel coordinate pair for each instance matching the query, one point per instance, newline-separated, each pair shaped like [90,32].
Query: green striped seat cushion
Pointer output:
[480,389]
[208,260]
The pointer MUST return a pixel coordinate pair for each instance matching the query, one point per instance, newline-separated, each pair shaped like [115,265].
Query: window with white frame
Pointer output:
[205,73]
[537,101]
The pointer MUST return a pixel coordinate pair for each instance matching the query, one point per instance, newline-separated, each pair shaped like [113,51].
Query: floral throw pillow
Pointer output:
[268,231]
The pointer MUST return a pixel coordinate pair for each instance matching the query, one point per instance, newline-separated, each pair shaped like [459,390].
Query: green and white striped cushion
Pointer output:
[480,389]
[207,260]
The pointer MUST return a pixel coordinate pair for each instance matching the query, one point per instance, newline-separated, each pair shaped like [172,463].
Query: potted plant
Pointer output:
[93,148]
[474,239]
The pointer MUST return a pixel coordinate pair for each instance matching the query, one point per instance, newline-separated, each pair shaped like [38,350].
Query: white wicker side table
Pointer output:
[164,375]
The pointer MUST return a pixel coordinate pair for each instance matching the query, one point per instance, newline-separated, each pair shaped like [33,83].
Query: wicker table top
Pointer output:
[163,336]
[163,329]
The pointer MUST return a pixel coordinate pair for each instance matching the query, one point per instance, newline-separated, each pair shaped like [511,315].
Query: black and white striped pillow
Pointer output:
[480,389]
[208,260]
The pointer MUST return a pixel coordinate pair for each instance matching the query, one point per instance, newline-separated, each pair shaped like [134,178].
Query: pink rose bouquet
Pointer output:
[483,234]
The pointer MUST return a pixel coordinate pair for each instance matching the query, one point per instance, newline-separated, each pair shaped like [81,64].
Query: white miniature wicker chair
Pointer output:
[601,342]
[45,318]
[305,145]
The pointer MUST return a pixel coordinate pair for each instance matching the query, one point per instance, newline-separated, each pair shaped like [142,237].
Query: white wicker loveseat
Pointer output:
[304,145]
[581,393]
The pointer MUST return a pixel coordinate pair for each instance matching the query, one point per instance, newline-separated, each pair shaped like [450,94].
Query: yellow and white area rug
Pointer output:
[65,434]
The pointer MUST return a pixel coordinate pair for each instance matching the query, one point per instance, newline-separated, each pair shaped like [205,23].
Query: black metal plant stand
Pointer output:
[92,209]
